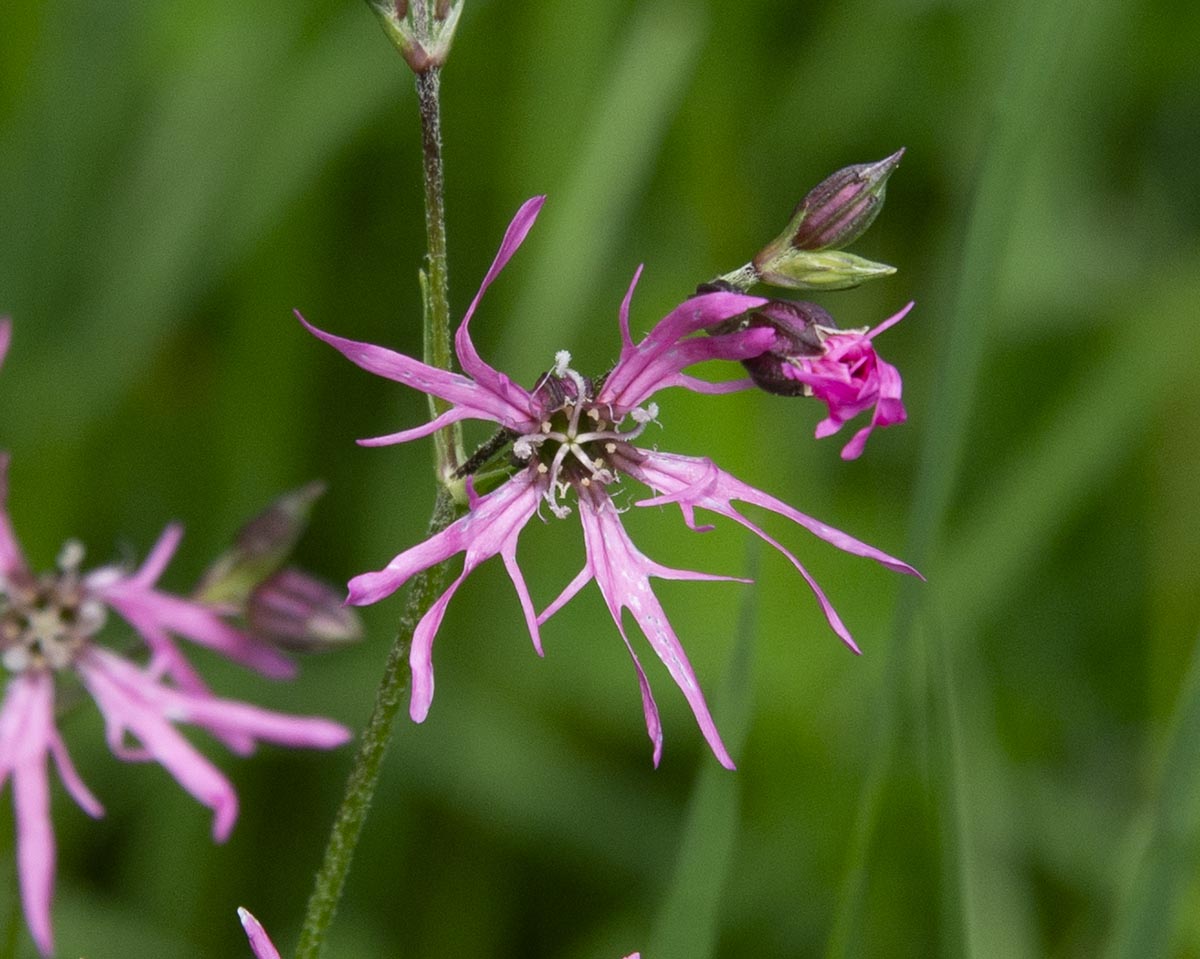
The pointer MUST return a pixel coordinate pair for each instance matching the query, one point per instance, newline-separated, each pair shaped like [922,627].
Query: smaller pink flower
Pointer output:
[48,629]
[849,377]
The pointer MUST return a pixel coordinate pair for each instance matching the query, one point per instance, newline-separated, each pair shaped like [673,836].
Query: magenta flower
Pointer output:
[48,626]
[849,377]
[572,435]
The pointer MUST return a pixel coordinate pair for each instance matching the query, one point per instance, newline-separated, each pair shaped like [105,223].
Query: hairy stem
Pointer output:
[360,787]
[448,440]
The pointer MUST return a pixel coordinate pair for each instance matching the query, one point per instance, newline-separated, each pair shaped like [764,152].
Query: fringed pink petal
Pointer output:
[5,336]
[420,655]
[124,708]
[26,726]
[200,624]
[623,575]
[472,363]
[12,561]
[224,716]
[453,415]
[482,533]
[159,556]
[626,338]
[582,578]
[70,777]
[478,399]
[700,483]
[648,366]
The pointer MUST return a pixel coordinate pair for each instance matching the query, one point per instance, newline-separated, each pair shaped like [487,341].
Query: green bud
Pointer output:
[259,549]
[421,31]
[837,211]
[824,270]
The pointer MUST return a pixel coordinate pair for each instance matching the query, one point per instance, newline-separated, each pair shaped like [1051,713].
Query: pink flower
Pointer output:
[571,435]
[849,377]
[48,626]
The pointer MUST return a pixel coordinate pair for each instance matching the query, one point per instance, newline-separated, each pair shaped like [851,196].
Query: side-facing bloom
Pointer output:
[576,437]
[263,948]
[812,357]
[48,629]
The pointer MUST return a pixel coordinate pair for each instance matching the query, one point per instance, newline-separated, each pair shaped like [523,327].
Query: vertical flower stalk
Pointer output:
[422,33]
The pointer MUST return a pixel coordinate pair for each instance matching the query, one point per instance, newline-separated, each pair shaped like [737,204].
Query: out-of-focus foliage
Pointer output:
[175,178]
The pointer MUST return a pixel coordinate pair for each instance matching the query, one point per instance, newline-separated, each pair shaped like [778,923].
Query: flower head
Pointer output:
[812,357]
[575,440]
[49,626]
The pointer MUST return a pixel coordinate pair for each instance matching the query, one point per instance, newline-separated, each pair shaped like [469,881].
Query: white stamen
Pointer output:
[70,556]
[562,363]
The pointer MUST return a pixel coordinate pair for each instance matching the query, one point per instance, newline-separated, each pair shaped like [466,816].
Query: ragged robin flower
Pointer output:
[49,630]
[812,357]
[574,440]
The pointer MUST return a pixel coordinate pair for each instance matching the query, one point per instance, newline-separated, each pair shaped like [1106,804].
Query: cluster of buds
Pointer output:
[811,356]
[422,31]
[280,604]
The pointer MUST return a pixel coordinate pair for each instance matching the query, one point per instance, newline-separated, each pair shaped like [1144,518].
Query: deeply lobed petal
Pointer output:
[26,728]
[491,528]
[472,363]
[126,711]
[133,701]
[694,483]
[623,575]
[154,615]
[658,360]
[499,401]
[12,560]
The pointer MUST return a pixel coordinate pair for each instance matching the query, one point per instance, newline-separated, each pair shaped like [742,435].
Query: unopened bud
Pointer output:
[799,330]
[260,547]
[824,270]
[300,612]
[837,211]
[422,32]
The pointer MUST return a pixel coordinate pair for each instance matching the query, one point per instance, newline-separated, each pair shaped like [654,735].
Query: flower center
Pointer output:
[577,443]
[44,623]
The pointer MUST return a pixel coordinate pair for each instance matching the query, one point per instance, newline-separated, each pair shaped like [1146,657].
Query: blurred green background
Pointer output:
[1013,767]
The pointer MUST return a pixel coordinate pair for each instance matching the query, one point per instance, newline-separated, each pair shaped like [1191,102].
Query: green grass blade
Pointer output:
[1024,102]
[1170,856]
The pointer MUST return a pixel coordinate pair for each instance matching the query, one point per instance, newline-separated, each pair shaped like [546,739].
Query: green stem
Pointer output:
[360,787]
[447,441]
[425,586]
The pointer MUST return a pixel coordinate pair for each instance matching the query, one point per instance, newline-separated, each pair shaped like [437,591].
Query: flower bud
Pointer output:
[260,547]
[796,326]
[837,211]
[422,32]
[300,612]
[824,270]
